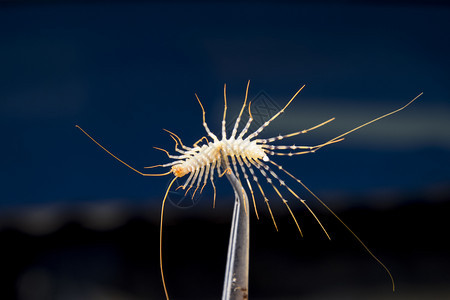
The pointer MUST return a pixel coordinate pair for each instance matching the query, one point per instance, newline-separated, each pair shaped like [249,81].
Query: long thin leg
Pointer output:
[282,183]
[269,180]
[311,149]
[255,179]
[172,156]
[176,146]
[187,181]
[294,147]
[212,182]
[238,120]
[249,122]
[107,151]
[339,219]
[212,135]
[224,134]
[258,131]
[205,178]
[178,138]
[374,120]
[160,238]
[193,181]
[233,160]
[280,137]
[202,138]
[202,170]
[241,164]
[286,147]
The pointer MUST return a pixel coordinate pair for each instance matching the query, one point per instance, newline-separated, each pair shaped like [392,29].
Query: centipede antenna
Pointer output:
[212,135]
[164,165]
[160,238]
[155,166]
[107,151]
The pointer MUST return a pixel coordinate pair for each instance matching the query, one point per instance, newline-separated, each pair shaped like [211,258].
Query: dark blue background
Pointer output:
[125,70]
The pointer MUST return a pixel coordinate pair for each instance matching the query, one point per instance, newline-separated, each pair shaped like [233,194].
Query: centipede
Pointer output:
[249,158]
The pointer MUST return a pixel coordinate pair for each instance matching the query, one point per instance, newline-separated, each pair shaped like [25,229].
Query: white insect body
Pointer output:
[202,162]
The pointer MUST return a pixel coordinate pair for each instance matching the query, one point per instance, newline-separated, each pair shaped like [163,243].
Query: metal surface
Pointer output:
[236,274]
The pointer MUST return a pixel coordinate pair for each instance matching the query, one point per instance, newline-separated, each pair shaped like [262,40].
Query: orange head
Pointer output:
[179,170]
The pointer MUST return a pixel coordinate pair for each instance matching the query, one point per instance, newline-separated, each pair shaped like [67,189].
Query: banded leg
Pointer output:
[255,179]
[212,135]
[249,122]
[258,131]
[224,134]
[311,149]
[218,166]
[269,180]
[238,120]
[233,160]
[241,164]
[212,182]
[193,180]
[187,181]
[205,178]
[202,170]
[202,138]
[280,137]
[282,183]
[176,146]
[226,164]
[179,140]
[172,156]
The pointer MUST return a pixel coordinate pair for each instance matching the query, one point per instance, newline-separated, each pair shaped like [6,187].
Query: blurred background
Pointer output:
[76,224]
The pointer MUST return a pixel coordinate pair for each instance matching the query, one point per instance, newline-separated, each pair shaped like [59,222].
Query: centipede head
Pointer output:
[179,171]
